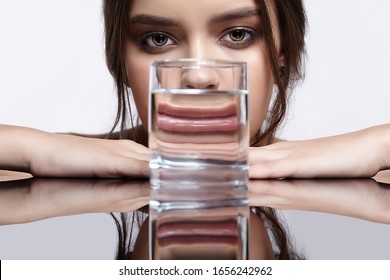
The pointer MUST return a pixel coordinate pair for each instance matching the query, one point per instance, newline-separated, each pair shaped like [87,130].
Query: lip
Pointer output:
[221,228]
[168,138]
[193,233]
[202,124]
[191,240]
[197,119]
[197,112]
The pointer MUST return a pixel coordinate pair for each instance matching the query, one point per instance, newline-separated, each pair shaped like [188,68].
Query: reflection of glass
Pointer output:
[199,224]
[198,123]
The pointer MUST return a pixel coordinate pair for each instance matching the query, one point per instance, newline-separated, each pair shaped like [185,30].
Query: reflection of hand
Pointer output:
[49,154]
[358,154]
[360,198]
[37,199]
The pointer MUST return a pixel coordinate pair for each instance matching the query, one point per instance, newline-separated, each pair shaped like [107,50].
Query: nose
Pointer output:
[200,78]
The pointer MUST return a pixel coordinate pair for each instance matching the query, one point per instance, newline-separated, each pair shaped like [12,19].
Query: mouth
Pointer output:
[195,233]
[197,119]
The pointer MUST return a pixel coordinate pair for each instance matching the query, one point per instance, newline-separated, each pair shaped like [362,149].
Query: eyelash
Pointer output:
[148,46]
[249,37]
[146,40]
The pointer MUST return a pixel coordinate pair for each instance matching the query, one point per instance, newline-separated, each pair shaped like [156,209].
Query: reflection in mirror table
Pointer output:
[70,219]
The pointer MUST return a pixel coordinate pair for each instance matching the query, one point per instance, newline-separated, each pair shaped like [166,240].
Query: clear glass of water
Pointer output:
[198,124]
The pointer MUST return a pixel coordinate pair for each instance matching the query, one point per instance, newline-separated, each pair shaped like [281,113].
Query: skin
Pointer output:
[357,154]
[338,196]
[57,155]
[204,35]
[24,201]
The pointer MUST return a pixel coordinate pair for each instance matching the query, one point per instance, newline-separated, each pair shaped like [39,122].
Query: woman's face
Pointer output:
[204,29]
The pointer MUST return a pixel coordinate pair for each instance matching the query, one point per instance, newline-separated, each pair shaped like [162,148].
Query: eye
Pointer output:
[159,39]
[238,37]
[156,41]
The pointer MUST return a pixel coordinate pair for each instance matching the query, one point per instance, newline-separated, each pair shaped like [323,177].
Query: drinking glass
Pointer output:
[198,134]
[198,124]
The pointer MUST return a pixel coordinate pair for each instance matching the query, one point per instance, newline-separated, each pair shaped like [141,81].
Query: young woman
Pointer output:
[269,35]
[273,45]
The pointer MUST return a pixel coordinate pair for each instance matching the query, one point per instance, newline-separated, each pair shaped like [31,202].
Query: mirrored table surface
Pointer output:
[48,218]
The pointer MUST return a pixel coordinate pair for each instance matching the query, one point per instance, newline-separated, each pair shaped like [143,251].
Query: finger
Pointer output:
[135,155]
[130,146]
[128,167]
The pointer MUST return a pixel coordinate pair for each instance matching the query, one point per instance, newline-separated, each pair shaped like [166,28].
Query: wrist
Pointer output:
[382,134]
[386,144]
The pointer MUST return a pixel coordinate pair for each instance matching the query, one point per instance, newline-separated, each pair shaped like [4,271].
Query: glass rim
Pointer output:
[181,62]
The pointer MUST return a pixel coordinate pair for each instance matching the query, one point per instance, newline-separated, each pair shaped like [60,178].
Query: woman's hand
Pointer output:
[59,155]
[360,198]
[36,199]
[358,154]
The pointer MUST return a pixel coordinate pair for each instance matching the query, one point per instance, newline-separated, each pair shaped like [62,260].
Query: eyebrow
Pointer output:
[165,21]
[152,20]
[234,14]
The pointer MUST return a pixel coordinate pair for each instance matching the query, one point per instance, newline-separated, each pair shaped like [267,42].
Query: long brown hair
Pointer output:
[292,21]
[291,18]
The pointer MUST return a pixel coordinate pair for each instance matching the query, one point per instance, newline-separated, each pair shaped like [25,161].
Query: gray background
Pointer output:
[57,47]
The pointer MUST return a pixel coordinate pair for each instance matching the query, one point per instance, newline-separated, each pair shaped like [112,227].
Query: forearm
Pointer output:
[16,145]
[57,155]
